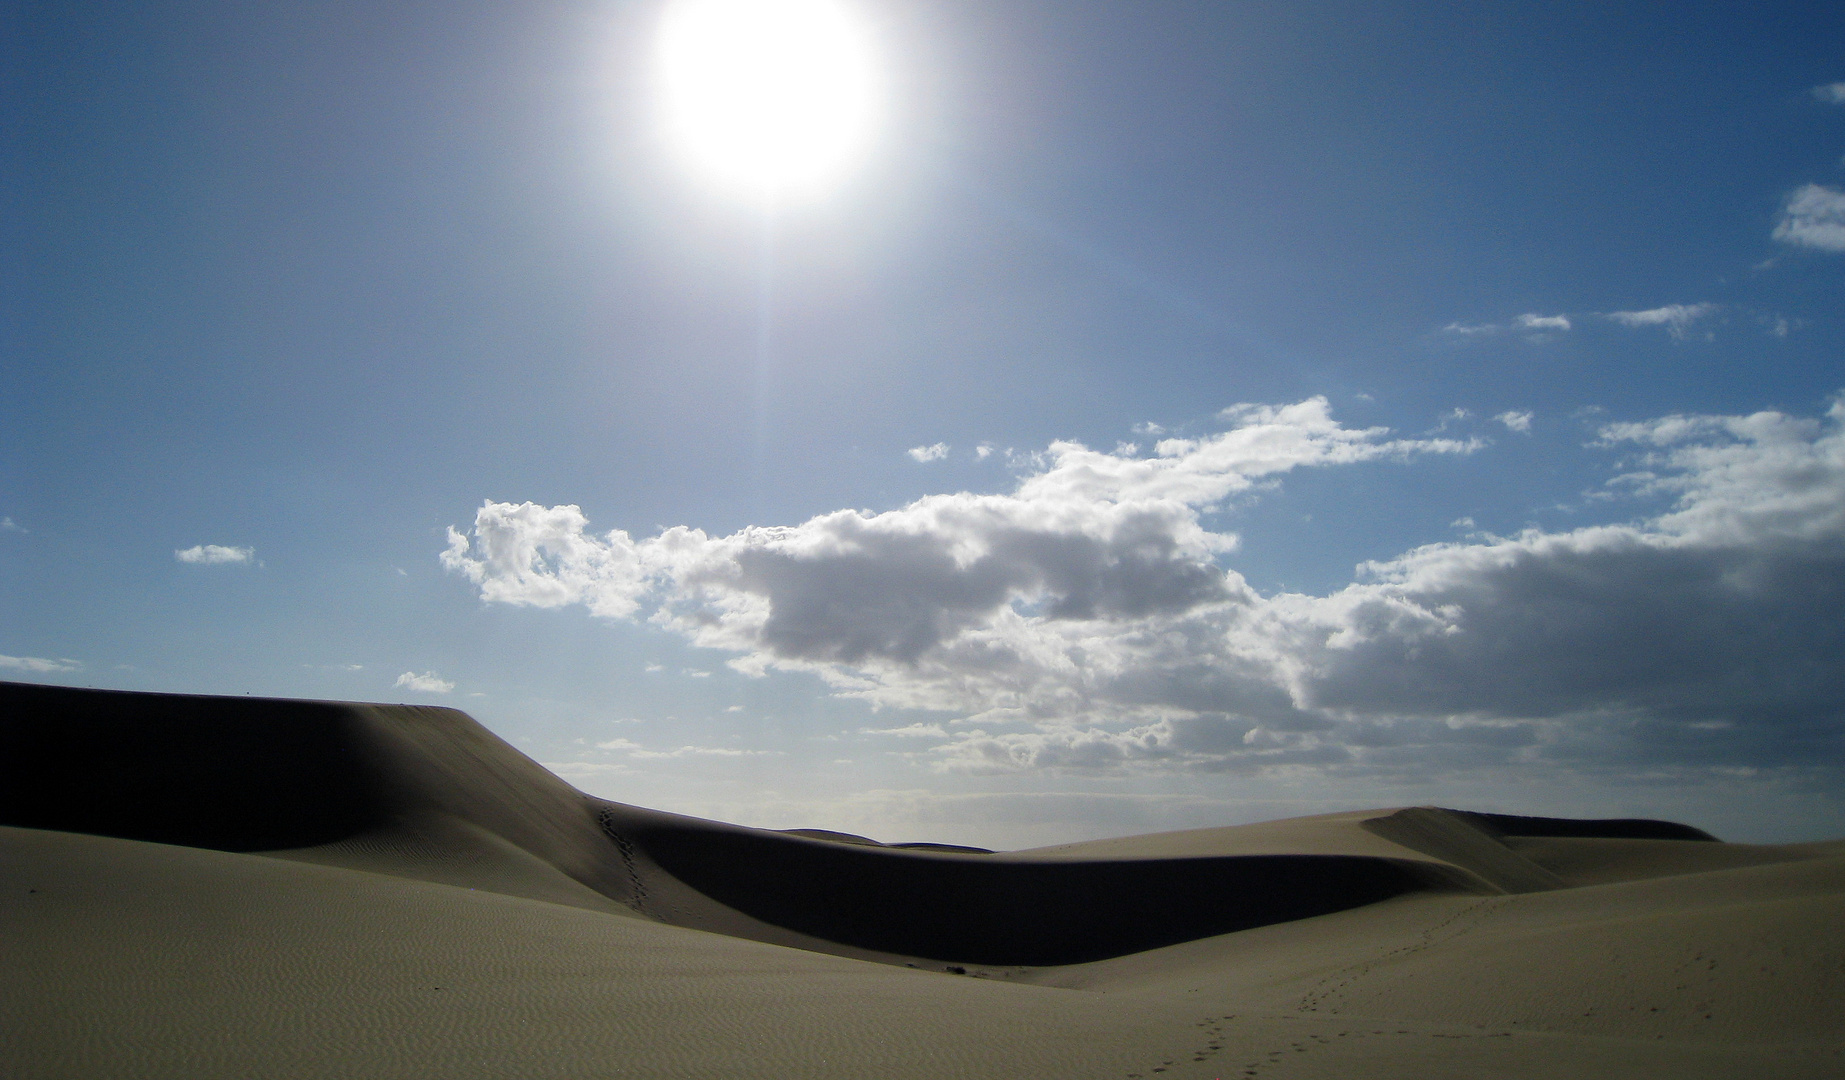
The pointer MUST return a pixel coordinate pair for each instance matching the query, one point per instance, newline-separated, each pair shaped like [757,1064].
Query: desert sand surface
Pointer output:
[197,887]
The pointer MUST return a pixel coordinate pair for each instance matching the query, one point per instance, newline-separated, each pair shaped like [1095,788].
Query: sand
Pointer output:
[208,887]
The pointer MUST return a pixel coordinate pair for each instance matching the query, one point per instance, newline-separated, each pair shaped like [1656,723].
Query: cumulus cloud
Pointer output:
[929,453]
[1515,420]
[1093,536]
[539,556]
[1544,322]
[38,665]
[1831,93]
[426,683]
[1676,318]
[214,554]
[1086,620]
[1814,217]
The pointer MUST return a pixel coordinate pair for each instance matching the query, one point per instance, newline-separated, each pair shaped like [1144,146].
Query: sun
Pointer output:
[768,96]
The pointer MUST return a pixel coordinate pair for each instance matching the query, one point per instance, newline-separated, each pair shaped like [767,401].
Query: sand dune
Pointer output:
[203,887]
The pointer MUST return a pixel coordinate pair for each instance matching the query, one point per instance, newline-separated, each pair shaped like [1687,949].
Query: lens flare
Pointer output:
[770,96]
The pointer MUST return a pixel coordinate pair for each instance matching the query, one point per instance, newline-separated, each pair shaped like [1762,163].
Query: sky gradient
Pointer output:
[1182,414]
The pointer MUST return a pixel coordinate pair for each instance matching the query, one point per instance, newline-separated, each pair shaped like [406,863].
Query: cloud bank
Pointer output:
[1087,621]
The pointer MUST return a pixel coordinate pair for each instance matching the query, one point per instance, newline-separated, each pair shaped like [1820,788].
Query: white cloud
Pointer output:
[1084,621]
[983,451]
[1814,217]
[1515,420]
[957,598]
[1831,93]
[1091,536]
[620,744]
[38,665]
[653,668]
[426,683]
[7,525]
[909,731]
[579,771]
[929,453]
[215,554]
[698,751]
[539,556]
[1538,325]
[1676,318]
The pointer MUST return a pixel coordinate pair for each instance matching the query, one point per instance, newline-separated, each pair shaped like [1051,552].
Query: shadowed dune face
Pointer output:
[1585,829]
[223,773]
[984,909]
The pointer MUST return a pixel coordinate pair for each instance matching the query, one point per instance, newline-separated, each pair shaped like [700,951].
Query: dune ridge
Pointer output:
[428,792]
[191,885]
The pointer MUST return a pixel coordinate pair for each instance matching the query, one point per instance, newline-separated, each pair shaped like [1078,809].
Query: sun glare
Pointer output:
[770,96]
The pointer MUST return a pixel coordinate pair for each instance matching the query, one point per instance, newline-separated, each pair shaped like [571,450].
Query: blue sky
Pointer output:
[1431,403]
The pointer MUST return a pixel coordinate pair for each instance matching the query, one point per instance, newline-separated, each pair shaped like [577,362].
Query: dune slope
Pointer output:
[427,792]
[200,887]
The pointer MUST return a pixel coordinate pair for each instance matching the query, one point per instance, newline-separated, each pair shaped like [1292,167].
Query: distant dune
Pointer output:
[195,887]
